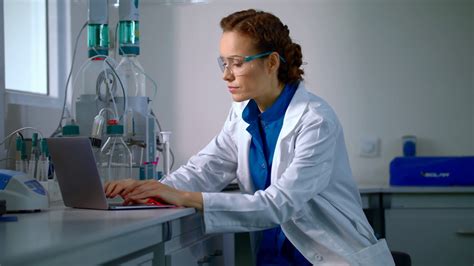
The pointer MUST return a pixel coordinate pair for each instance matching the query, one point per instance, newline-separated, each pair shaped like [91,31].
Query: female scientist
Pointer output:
[286,148]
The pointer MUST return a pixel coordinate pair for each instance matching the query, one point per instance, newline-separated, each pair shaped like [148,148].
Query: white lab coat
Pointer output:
[312,193]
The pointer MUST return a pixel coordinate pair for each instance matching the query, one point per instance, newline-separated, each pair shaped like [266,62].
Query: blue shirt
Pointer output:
[265,128]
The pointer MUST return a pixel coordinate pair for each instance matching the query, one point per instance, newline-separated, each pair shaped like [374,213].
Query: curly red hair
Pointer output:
[269,34]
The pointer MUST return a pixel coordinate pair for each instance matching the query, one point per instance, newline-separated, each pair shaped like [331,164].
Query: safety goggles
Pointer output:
[240,65]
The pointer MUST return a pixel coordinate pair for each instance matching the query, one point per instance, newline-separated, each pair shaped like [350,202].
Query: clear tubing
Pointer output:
[74,81]
[81,69]
[98,126]
[21,129]
[120,81]
[108,109]
[104,66]
[20,164]
[99,122]
[66,89]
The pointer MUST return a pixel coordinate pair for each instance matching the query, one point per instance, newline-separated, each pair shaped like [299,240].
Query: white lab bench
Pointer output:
[67,236]
[434,225]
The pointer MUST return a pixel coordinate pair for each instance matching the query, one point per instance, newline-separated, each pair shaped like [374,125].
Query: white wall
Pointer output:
[388,67]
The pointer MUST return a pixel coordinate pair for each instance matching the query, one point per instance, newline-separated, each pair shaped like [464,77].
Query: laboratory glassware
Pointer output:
[115,157]
[34,157]
[42,171]
[133,77]
[166,152]
[18,163]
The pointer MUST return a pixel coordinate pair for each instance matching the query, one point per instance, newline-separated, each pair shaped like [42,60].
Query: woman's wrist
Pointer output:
[192,199]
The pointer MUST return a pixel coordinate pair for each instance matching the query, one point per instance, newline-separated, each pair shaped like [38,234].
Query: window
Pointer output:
[26,53]
[37,51]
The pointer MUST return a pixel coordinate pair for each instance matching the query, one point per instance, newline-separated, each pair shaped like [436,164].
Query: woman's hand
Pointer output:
[154,189]
[114,188]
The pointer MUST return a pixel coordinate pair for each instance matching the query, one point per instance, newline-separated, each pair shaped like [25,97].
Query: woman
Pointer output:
[286,148]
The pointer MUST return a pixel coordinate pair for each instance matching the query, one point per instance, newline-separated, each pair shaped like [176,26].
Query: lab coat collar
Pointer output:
[295,111]
[292,117]
[293,114]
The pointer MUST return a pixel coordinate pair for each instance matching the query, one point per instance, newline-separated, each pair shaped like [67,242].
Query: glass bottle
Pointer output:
[95,81]
[132,75]
[166,153]
[98,48]
[133,78]
[116,159]
[20,156]
[42,171]
[24,158]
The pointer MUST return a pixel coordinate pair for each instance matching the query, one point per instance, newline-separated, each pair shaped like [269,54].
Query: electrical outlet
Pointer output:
[369,147]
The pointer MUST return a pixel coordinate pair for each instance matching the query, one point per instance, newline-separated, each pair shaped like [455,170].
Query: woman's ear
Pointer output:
[273,62]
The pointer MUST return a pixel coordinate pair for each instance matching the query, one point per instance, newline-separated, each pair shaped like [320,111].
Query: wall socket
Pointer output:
[369,147]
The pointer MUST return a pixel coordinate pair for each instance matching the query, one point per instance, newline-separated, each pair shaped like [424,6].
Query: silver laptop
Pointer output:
[78,176]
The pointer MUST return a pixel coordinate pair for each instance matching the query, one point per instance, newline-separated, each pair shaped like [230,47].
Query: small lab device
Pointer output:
[432,171]
[21,192]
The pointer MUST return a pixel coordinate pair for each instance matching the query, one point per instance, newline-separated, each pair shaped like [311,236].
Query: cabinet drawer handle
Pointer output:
[217,253]
[208,259]
[464,232]
[204,260]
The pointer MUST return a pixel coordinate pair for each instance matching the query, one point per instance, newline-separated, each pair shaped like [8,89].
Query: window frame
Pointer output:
[58,59]
[2,85]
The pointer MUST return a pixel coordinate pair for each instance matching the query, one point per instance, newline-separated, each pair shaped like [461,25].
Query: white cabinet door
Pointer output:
[205,252]
[432,236]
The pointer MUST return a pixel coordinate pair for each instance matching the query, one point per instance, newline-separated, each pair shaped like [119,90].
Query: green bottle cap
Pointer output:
[34,140]
[23,151]
[115,129]
[44,147]
[18,143]
[70,130]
